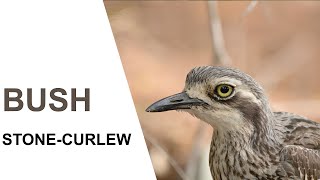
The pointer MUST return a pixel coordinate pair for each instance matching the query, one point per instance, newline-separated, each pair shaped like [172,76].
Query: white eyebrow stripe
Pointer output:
[247,94]
[227,80]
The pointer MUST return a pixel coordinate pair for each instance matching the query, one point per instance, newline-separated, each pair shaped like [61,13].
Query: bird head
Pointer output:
[225,98]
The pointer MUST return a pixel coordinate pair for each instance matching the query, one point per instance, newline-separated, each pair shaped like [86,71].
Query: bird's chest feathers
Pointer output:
[234,159]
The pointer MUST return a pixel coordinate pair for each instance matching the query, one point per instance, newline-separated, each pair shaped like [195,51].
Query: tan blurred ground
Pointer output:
[160,41]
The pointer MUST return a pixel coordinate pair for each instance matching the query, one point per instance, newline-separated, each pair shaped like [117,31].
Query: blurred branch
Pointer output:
[171,160]
[250,8]
[278,67]
[221,56]
[192,169]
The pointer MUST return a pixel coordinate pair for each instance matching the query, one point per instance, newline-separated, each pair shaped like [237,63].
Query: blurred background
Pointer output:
[161,41]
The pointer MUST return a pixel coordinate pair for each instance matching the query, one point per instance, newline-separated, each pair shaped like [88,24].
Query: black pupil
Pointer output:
[224,89]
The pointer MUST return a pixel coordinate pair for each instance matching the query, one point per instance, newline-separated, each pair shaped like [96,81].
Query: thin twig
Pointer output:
[193,163]
[220,53]
[278,67]
[171,160]
[250,8]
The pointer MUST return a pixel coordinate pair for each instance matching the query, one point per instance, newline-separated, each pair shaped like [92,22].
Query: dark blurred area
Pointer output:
[160,41]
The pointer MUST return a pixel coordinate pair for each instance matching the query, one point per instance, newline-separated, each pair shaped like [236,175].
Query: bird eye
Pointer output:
[224,90]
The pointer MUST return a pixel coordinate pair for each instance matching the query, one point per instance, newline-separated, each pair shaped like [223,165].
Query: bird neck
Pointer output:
[264,130]
[258,134]
[239,152]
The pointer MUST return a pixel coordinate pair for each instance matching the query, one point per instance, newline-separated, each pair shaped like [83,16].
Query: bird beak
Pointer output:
[175,102]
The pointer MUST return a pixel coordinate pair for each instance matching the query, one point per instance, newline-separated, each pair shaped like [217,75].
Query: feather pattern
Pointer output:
[300,157]
[297,156]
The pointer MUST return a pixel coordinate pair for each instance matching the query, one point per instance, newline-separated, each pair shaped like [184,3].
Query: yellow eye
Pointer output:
[224,90]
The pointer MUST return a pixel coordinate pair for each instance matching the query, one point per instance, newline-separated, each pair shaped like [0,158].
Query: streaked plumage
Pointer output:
[250,141]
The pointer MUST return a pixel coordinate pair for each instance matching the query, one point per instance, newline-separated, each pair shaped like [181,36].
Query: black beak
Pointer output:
[175,102]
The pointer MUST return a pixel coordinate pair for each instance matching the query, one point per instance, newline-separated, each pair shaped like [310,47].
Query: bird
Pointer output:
[249,140]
